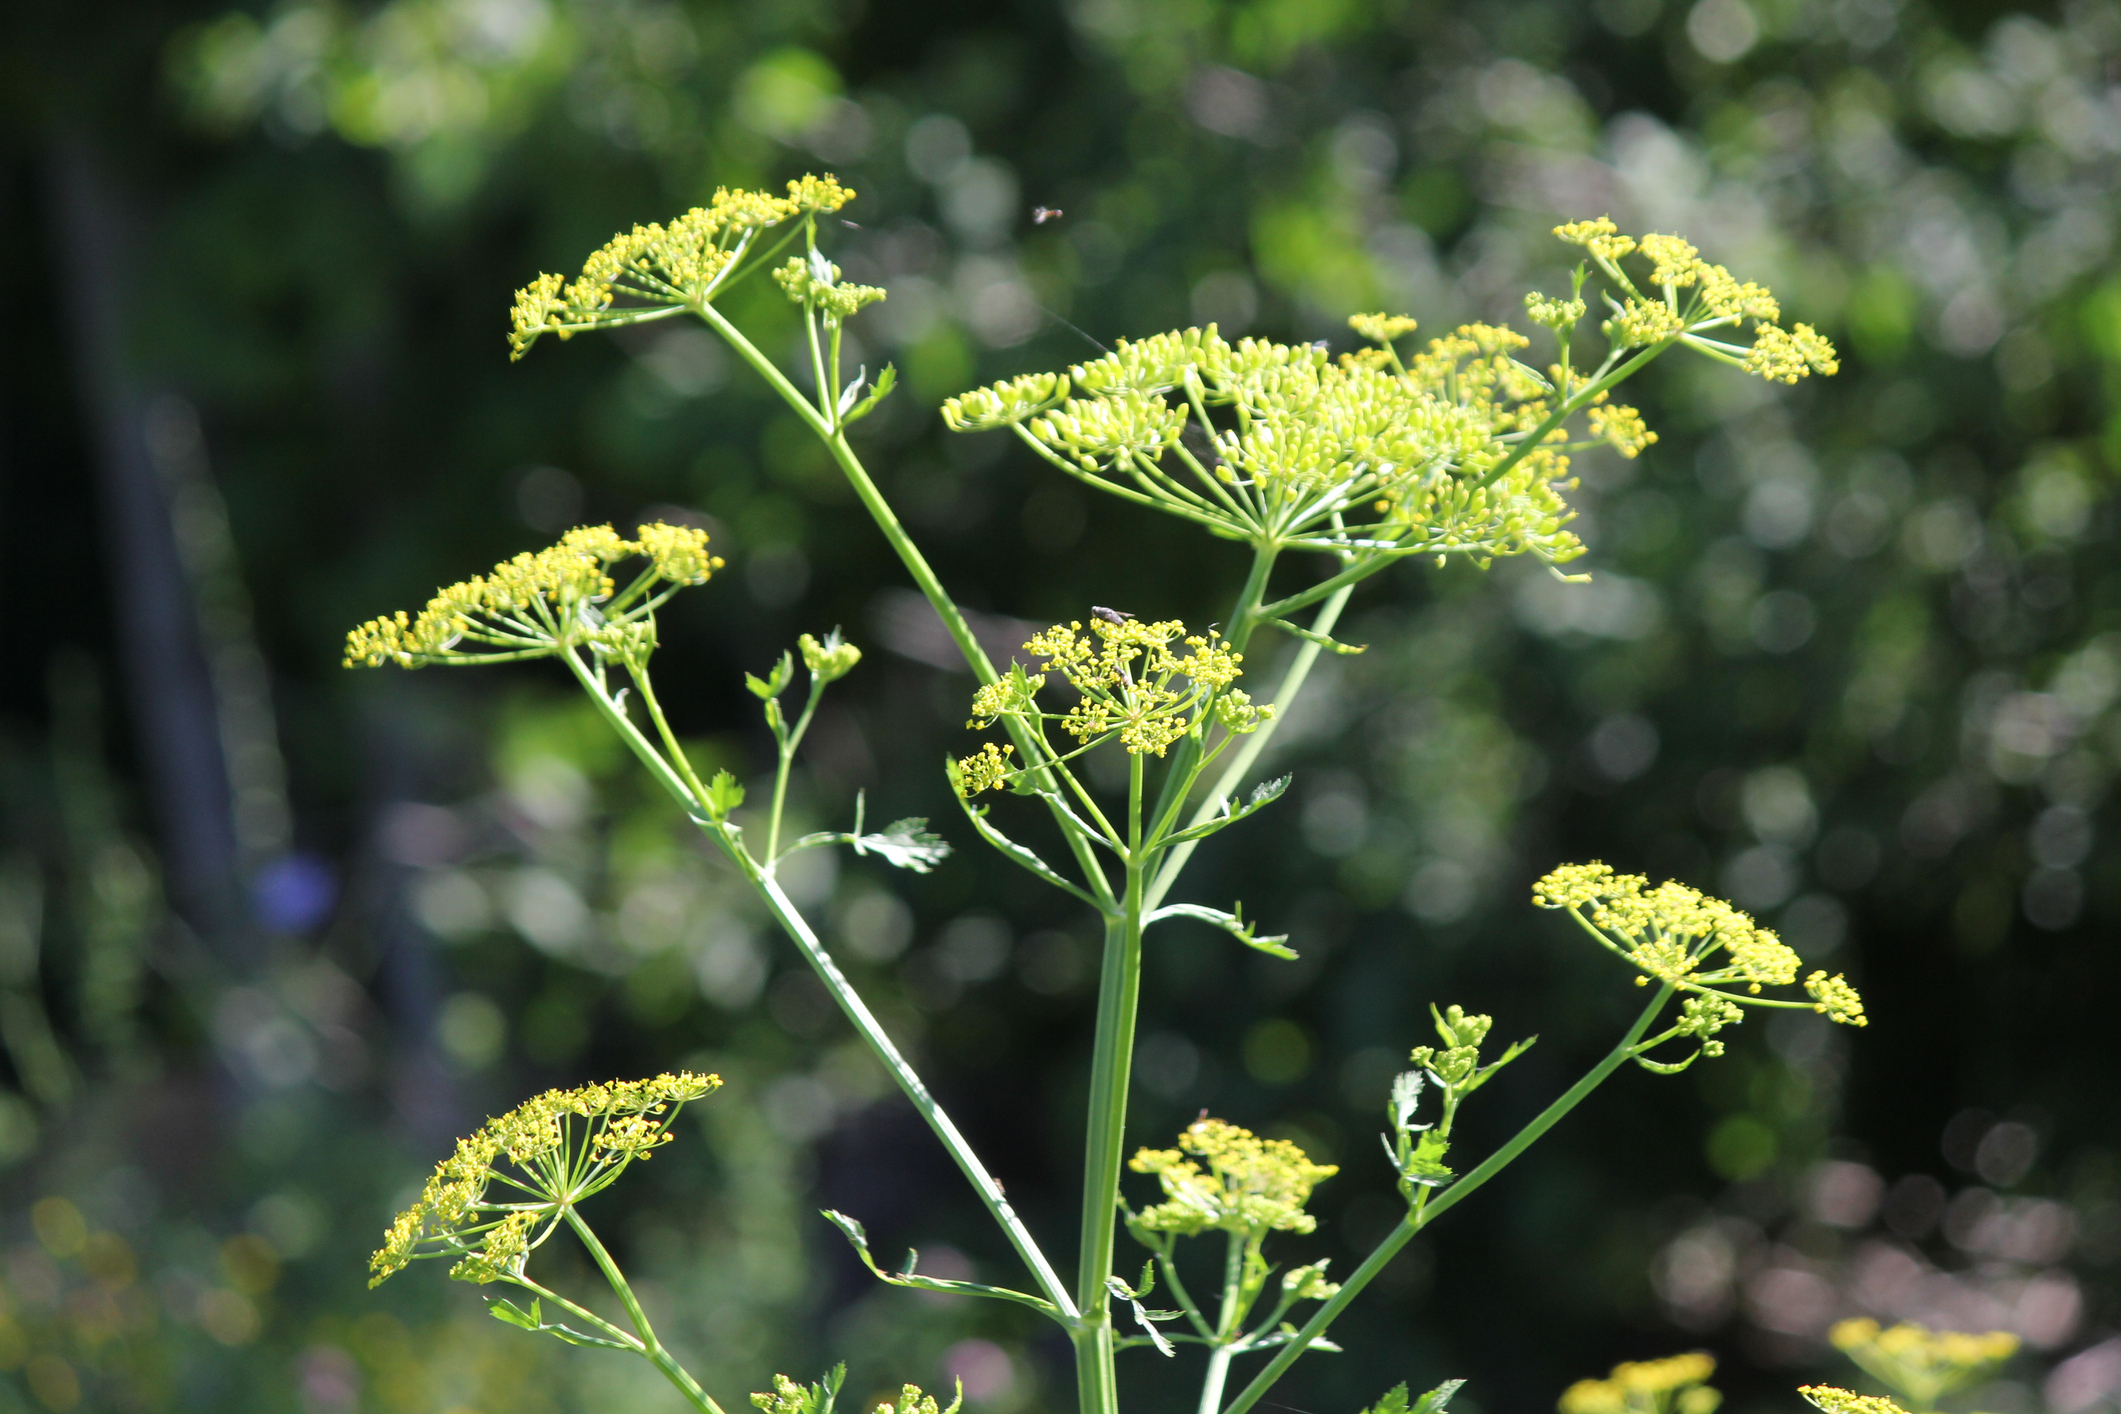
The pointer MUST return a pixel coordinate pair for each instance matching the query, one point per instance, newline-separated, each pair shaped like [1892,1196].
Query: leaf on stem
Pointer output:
[1263,795]
[858,1236]
[1313,636]
[1232,923]
[775,682]
[906,844]
[724,794]
[1019,855]
[502,1309]
[1434,1402]
[885,382]
[1144,1317]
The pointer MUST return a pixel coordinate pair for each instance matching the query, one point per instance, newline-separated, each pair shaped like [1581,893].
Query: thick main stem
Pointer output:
[1118,996]
[1422,1215]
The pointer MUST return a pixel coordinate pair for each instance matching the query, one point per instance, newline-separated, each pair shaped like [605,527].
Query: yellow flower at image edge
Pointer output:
[1673,1385]
[1841,1401]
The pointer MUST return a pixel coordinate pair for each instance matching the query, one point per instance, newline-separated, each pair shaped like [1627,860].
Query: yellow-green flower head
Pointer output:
[537,604]
[1831,1400]
[1673,1385]
[1221,1176]
[1675,934]
[454,1217]
[1714,300]
[830,660]
[1553,313]
[1786,355]
[816,283]
[1919,1363]
[1147,683]
[985,769]
[1004,404]
[1600,237]
[657,266]
[1620,428]
[1382,328]
[912,1401]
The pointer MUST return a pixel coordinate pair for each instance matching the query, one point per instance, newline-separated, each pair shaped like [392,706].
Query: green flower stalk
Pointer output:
[1462,447]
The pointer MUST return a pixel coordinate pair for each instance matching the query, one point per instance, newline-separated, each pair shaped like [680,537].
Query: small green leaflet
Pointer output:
[506,1310]
[1434,1402]
[724,794]
[1232,923]
[775,682]
[907,843]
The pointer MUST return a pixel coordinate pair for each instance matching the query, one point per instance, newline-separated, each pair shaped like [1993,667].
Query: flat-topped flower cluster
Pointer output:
[539,603]
[553,1167]
[1673,933]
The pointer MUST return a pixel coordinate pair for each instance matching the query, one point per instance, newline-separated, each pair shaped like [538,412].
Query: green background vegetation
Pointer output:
[272,933]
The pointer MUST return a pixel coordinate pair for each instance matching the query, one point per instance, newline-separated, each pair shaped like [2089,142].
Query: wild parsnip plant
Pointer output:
[1459,447]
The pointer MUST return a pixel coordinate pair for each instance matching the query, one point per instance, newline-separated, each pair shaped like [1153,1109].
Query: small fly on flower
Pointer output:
[1110,616]
[1040,215]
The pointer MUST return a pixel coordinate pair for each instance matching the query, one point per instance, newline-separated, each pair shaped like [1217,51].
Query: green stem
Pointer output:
[924,577]
[1420,1217]
[1111,1067]
[650,1346]
[872,1032]
[790,740]
[1234,774]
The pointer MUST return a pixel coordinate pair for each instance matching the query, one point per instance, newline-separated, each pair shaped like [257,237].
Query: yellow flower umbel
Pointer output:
[550,1167]
[1685,299]
[664,269]
[1700,946]
[536,605]
[1831,1400]
[1148,684]
[1241,1183]
[1918,1364]
[1673,1385]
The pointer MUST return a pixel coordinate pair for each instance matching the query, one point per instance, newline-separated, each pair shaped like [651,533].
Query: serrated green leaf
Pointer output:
[907,844]
[724,794]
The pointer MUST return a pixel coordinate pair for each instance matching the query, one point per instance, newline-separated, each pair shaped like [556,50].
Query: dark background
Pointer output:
[272,933]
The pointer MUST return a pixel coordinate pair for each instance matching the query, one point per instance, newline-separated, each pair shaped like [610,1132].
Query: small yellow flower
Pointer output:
[1600,237]
[1673,1385]
[1831,1400]
[1675,934]
[537,604]
[626,1119]
[1249,1185]
[1382,328]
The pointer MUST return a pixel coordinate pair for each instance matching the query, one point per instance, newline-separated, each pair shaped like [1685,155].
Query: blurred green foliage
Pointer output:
[1849,657]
